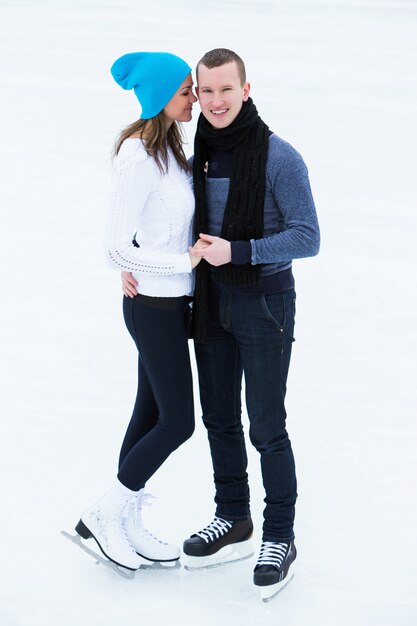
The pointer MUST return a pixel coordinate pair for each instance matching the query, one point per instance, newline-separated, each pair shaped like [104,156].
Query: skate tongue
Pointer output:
[125,512]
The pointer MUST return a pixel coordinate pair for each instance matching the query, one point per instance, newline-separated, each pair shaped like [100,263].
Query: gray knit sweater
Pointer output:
[291,229]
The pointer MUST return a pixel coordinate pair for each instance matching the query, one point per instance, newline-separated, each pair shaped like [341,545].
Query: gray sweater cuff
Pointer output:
[241,252]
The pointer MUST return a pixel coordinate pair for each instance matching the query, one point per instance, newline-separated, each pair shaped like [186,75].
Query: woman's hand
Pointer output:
[195,260]
[129,284]
[198,247]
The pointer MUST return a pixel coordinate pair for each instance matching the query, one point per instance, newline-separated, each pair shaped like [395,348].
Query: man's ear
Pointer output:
[246,90]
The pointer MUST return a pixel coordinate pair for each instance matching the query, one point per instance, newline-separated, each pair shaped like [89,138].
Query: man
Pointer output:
[255,209]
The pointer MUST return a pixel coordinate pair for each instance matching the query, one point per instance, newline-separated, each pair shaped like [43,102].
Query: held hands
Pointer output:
[129,284]
[199,246]
[214,250]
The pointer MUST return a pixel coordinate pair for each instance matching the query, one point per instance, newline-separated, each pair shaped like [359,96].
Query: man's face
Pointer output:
[221,93]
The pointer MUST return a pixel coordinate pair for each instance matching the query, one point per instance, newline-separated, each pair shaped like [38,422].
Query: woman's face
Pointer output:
[179,108]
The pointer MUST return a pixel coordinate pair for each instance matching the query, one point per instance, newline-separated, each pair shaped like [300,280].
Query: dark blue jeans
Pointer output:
[250,334]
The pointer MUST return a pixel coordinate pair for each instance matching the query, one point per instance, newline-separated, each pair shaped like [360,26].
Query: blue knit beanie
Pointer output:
[154,77]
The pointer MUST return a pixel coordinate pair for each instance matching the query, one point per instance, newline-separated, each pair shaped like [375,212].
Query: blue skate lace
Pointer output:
[217,528]
[272,553]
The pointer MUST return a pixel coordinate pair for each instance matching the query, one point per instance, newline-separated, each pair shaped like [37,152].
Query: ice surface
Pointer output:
[338,80]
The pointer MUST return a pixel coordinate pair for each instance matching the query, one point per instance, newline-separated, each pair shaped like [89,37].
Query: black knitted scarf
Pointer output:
[248,137]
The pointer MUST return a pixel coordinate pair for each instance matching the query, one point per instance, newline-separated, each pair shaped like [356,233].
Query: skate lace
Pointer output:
[121,527]
[145,499]
[217,528]
[126,507]
[272,553]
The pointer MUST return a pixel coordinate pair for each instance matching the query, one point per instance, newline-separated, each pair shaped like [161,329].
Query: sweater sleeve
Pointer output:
[133,180]
[291,190]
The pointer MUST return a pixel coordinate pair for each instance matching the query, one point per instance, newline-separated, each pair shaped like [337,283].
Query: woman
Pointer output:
[149,232]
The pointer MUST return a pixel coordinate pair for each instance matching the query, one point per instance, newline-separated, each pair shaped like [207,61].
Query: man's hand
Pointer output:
[129,284]
[216,251]
[198,246]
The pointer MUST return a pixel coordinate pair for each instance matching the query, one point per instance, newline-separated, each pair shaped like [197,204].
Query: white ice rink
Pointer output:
[338,80]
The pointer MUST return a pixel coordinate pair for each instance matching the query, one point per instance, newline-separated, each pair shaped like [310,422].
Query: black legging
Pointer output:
[163,415]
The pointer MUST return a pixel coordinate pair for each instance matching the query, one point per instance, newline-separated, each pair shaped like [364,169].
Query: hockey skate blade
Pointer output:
[99,559]
[229,554]
[270,591]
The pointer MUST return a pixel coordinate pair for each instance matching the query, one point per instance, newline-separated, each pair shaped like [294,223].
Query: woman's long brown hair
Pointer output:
[156,140]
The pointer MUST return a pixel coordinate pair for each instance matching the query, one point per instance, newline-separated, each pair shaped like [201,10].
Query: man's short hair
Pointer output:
[220,56]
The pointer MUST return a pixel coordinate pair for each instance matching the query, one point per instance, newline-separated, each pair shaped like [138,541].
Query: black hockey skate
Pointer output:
[220,542]
[274,568]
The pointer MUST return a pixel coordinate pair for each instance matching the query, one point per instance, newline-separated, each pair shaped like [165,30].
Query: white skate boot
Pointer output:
[105,523]
[147,545]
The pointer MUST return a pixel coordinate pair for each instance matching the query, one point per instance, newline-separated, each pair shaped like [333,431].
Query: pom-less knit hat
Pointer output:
[154,77]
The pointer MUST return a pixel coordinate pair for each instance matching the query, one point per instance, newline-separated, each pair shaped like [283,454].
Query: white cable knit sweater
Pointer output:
[157,210]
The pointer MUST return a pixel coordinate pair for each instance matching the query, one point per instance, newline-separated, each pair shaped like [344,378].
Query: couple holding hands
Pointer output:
[205,248]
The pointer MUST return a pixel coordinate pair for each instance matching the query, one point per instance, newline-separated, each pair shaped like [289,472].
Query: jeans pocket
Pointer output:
[273,305]
[293,311]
